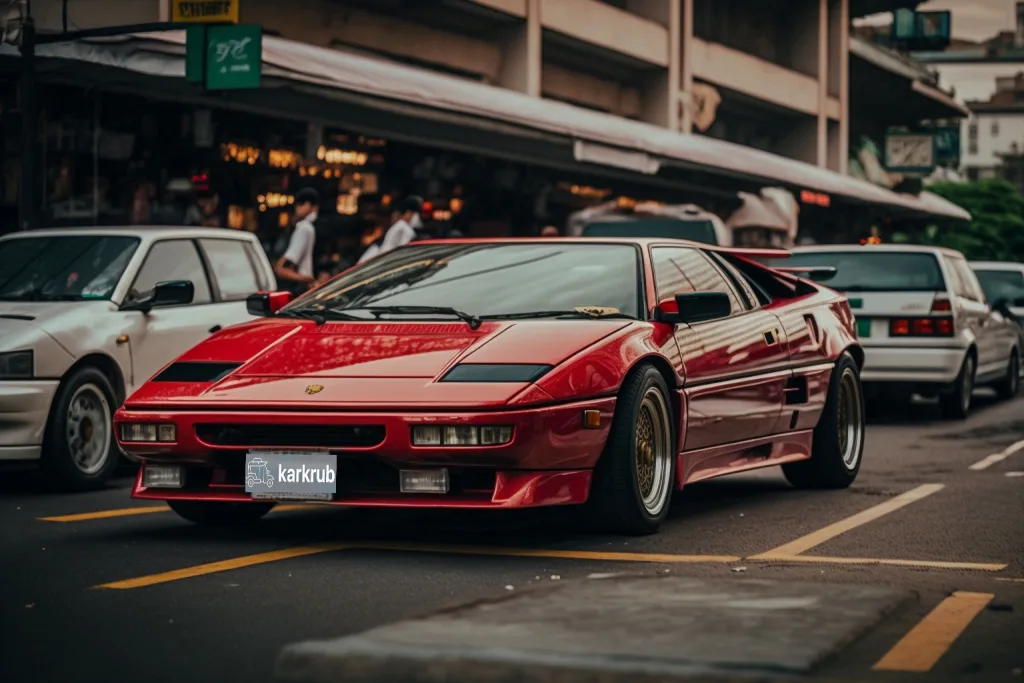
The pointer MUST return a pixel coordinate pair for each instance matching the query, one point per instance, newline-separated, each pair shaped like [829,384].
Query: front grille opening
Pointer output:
[291,435]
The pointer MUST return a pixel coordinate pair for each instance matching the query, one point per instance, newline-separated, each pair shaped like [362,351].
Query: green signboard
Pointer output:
[225,57]
[947,146]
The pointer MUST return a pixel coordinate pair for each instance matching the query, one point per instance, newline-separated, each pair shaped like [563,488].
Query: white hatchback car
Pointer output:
[1004,281]
[80,329]
[923,321]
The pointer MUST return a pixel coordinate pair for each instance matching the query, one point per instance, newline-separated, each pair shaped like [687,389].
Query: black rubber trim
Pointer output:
[196,372]
[496,372]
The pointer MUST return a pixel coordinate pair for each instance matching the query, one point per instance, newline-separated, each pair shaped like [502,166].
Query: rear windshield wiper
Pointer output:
[557,314]
[473,321]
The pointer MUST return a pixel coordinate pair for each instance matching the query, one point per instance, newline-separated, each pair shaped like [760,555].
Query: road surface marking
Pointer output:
[1015,474]
[988,461]
[543,552]
[931,564]
[141,510]
[1010,580]
[816,538]
[224,565]
[932,637]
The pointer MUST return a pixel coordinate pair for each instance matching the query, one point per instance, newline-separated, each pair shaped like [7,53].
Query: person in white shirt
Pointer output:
[402,232]
[294,269]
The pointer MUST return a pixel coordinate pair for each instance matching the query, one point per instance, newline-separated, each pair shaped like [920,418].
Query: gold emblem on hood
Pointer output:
[314,389]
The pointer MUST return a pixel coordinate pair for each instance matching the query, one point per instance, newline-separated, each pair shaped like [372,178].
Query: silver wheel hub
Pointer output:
[88,429]
[968,384]
[851,419]
[654,451]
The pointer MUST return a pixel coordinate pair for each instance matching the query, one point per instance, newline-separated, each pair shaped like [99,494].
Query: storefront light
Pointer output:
[455,205]
[341,156]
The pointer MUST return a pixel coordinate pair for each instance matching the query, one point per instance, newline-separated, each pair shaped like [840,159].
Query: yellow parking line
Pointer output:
[141,510]
[816,538]
[224,565]
[543,552]
[932,637]
[106,514]
[931,564]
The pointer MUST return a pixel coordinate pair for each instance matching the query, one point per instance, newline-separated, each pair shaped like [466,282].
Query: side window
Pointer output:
[970,280]
[959,287]
[232,268]
[739,283]
[679,270]
[173,260]
[254,258]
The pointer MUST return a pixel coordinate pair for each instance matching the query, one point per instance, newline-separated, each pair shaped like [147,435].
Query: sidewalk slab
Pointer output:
[634,629]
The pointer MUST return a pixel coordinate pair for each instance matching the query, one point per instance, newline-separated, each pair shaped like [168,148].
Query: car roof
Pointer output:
[629,241]
[891,248]
[997,265]
[151,232]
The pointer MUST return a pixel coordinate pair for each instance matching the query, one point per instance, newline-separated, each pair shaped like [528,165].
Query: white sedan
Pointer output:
[80,329]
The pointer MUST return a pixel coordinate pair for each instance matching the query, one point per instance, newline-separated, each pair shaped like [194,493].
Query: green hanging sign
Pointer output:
[225,57]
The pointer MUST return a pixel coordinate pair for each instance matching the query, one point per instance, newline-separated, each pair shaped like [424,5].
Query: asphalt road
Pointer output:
[918,517]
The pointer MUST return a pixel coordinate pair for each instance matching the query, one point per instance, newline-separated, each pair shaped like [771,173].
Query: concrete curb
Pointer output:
[635,629]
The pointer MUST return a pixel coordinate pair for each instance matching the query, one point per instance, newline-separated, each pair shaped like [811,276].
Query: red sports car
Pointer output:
[508,374]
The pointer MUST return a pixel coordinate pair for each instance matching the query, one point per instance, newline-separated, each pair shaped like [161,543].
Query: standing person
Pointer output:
[402,231]
[294,270]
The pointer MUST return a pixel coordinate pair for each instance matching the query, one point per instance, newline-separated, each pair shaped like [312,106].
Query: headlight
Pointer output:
[461,435]
[146,431]
[17,365]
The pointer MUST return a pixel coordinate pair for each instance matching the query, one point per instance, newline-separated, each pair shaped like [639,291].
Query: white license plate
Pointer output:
[292,496]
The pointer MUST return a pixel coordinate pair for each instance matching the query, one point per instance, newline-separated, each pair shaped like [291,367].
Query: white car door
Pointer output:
[158,337]
[991,330]
[236,273]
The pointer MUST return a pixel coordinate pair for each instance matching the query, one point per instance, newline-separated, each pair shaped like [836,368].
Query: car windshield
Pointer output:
[872,271]
[662,228]
[63,268]
[489,279]
[1001,284]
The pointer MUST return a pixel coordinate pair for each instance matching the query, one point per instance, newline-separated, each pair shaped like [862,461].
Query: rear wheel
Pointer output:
[1010,385]
[635,477]
[220,514]
[838,444]
[956,404]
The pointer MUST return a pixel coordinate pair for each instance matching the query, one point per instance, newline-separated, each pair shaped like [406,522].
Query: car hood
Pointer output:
[370,364]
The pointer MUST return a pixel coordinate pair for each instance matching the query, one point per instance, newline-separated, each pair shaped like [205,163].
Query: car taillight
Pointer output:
[941,306]
[921,327]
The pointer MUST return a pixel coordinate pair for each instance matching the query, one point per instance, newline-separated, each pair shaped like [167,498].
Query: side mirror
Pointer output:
[694,307]
[1001,305]
[171,293]
[267,303]
[1018,303]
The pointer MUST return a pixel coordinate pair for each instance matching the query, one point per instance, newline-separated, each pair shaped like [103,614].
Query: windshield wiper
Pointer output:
[557,314]
[318,316]
[473,321]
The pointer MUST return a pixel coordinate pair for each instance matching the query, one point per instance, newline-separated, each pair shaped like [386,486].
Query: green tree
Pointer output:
[996,231]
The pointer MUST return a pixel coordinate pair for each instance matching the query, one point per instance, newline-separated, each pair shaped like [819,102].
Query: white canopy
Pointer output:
[162,54]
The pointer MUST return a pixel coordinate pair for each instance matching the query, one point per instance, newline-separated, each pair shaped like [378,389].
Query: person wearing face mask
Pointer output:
[403,231]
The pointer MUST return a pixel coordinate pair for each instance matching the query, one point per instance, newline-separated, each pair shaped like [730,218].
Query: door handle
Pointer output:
[215,329]
[771,337]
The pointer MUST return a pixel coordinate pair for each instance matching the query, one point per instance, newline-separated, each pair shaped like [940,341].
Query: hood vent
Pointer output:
[196,372]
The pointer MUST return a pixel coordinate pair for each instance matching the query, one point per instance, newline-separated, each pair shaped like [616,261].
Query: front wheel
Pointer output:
[635,477]
[219,514]
[838,444]
[79,449]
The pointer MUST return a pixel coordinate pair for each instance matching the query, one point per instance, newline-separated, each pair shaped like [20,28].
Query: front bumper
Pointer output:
[548,461]
[912,364]
[24,410]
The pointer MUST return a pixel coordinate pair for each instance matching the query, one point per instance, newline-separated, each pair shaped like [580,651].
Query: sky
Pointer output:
[972,19]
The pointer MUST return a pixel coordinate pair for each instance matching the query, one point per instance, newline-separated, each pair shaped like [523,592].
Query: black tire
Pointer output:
[956,404]
[218,513]
[1008,387]
[616,503]
[837,449]
[80,452]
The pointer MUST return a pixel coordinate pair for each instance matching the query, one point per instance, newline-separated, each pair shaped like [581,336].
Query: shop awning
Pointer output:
[598,138]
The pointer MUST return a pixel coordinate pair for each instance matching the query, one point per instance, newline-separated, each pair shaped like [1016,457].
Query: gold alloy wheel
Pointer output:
[653,450]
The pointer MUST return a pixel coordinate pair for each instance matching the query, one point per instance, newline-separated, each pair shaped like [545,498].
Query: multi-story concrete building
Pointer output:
[767,75]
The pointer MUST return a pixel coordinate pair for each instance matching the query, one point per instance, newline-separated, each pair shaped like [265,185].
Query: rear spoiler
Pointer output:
[818,274]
